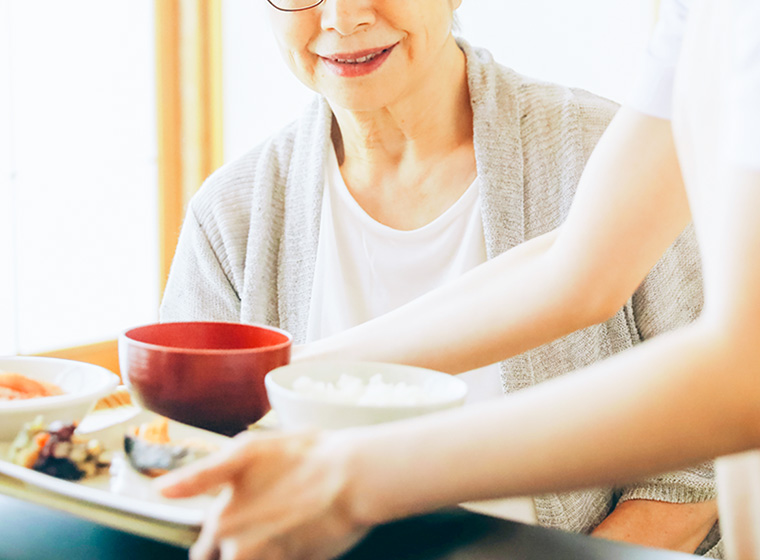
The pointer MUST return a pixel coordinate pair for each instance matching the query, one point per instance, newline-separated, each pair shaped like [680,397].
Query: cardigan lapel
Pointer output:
[499,159]
[498,151]
[498,154]
[303,204]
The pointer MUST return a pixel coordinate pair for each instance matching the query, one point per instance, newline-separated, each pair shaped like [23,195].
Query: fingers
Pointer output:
[246,450]
[219,540]
[193,480]
[275,504]
[208,473]
[206,547]
[230,550]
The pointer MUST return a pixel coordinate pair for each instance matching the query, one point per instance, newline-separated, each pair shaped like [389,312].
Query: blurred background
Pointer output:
[112,114]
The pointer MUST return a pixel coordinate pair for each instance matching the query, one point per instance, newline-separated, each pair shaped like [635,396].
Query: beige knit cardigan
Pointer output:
[248,246]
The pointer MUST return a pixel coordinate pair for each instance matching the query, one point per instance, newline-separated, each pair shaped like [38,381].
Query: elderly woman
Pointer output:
[420,159]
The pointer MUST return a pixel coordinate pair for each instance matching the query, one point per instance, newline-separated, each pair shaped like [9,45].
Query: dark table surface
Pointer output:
[34,532]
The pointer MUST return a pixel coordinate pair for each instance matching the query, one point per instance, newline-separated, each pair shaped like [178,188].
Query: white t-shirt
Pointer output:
[653,91]
[365,269]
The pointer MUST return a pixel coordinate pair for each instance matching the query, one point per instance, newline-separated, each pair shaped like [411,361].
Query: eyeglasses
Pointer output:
[294,5]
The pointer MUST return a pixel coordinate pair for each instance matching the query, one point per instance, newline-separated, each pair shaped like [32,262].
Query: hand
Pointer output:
[283,497]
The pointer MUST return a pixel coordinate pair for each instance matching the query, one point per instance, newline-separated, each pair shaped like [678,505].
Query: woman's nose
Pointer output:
[348,16]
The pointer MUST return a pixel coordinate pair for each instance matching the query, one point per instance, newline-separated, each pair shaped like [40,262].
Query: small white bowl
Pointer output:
[83,384]
[298,410]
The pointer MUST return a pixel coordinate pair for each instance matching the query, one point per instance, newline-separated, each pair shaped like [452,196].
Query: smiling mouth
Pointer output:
[349,59]
[357,63]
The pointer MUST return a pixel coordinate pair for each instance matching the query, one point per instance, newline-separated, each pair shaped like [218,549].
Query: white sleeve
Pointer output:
[742,99]
[652,92]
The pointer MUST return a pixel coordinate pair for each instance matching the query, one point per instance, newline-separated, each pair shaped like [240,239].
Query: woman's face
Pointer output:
[365,54]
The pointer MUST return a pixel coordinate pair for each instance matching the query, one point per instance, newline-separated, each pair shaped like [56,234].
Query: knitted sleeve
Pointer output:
[198,289]
[218,261]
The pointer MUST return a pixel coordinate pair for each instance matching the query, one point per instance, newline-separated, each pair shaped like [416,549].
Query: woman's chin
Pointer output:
[359,102]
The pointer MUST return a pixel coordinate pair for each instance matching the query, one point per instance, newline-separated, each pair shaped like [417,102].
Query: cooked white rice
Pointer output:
[352,390]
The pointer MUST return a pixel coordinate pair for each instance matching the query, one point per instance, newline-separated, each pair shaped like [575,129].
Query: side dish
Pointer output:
[56,450]
[14,386]
[353,390]
[151,451]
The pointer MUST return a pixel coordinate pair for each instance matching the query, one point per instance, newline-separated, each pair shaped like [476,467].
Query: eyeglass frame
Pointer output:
[276,7]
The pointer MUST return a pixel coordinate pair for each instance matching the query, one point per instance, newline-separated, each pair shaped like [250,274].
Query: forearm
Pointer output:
[599,425]
[680,527]
[493,318]
[552,285]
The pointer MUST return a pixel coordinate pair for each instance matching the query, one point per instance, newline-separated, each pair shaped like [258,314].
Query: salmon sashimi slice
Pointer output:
[16,386]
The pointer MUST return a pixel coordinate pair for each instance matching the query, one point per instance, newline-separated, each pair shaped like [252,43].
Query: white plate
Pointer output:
[122,488]
[83,384]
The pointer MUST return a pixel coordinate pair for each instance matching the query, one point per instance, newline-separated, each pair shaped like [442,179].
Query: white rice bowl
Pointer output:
[82,384]
[334,395]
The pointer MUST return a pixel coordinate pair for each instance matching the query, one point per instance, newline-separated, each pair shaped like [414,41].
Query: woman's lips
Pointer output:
[351,65]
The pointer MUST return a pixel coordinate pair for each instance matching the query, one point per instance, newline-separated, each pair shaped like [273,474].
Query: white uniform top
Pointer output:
[653,91]
[365,269]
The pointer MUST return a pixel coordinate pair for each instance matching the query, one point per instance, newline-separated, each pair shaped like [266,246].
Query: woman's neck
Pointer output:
[434,118]
[409,162]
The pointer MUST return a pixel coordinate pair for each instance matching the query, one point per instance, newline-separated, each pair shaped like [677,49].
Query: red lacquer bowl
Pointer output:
[206,374]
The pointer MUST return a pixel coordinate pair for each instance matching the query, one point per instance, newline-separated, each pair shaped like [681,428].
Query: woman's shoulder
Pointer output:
[537,93]
[493,82]
[264,170]
[265,160]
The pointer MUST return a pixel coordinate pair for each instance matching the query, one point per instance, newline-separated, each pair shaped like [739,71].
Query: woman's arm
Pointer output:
[514,302]
[682,398]
[658,406]
[447,312]
[675,510]
[679,399]
[629,207]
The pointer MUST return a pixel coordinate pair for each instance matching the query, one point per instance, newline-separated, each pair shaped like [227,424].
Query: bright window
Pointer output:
[78,172]
[7,271]
[592,44]
[260,93]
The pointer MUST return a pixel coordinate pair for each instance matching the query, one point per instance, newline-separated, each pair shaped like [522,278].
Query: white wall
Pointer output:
[592,44]
[7,254]
[260,94]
